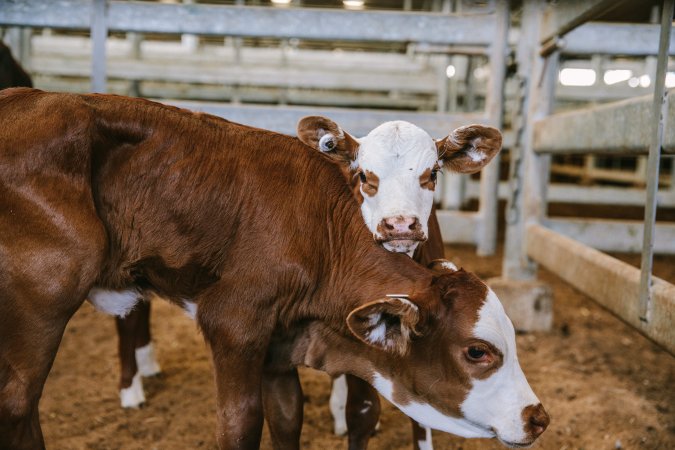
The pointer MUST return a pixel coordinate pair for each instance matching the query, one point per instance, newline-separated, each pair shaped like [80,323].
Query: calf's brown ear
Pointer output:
[326,136]
[468,149]
[386,323]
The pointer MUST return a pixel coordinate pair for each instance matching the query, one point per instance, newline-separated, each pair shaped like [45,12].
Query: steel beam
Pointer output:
[586,195]
[622,39]
[610,282]
[621,127]
[562,17]
[249,21]
[459,227]
[357,122]
[614,235]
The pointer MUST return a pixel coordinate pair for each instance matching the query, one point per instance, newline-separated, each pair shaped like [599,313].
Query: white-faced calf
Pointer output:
[393,172]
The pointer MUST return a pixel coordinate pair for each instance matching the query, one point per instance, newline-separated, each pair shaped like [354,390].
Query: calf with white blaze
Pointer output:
[127,195]
[392,172]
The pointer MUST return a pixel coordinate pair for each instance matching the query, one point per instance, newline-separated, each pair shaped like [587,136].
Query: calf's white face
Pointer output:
[394,168]
[463,373]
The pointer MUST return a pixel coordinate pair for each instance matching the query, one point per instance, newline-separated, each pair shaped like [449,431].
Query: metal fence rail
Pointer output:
[618,128]
[251,21]
[631,126]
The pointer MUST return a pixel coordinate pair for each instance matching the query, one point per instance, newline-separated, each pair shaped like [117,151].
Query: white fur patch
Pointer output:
[427,443]
[338,405]
[378,335]
[449,266]
[430,417]
[475,155]
[133,396]
[147,361]
[116,303]
[190,309]
[498,400]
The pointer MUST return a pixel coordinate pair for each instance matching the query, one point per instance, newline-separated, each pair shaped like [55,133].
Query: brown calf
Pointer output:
[109,198]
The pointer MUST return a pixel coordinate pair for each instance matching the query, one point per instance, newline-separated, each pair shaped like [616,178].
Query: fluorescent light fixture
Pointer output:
[634,82]
[617,76]
[450,71]
[645,81]
[281,2]
[577,77]
[481,72]
[353,4]
[670,79]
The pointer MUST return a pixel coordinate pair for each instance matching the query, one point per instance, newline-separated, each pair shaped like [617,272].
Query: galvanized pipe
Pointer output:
[658,118]
[99,35]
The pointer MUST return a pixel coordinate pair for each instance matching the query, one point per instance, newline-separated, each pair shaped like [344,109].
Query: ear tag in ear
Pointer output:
[397,296]
[327,142]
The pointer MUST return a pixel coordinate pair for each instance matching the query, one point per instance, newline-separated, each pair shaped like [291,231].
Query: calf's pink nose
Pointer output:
[401,224]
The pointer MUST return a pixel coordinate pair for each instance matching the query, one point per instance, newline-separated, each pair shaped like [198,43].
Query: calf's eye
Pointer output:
[477,354]
[362,177]
[432,176]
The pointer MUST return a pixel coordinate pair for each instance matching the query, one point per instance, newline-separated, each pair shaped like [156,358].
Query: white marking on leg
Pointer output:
[190,309]
[146,360]
[116,303]
[338,405]
[426,443]
[133,396]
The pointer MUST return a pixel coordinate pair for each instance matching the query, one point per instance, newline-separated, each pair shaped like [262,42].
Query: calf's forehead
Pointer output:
[397,145]
[494,326]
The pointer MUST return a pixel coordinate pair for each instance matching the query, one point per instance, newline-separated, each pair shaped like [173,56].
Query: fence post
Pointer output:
[99,35]
[659,111]
[489,183]
[527,197]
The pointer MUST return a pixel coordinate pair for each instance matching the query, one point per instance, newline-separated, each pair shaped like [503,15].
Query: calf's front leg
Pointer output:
[283,404]
[238,340]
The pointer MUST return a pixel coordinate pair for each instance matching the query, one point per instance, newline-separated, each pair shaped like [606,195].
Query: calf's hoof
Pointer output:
[133,396]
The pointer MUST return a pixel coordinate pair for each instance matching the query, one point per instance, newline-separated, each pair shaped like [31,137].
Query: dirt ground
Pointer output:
[604,384]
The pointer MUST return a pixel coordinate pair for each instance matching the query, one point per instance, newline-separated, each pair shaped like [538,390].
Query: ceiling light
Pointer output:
[577,77]
[450,71]
[353,4]
[617,76]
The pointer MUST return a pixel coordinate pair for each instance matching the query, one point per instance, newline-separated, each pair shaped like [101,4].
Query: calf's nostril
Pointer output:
[539,420]
[536,419]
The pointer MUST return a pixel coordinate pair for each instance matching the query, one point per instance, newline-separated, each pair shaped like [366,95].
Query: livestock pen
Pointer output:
[439,65]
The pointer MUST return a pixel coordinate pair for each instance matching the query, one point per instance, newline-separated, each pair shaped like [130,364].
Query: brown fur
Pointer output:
[258,230]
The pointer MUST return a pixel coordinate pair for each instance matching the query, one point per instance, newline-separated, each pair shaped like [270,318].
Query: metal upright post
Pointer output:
[489,183]
[659,111]
[529,171]
[99,34]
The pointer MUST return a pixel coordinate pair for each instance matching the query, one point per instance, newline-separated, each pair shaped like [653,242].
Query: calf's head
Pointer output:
[395,167]
[451,366]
